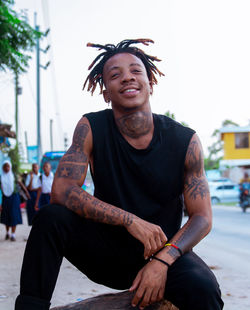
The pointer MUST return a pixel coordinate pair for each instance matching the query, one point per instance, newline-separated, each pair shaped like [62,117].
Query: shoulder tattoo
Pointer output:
[195,183]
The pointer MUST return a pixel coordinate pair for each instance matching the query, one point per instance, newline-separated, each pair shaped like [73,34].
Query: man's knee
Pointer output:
[51,212]
[203,283]
[51,215]
[204,288]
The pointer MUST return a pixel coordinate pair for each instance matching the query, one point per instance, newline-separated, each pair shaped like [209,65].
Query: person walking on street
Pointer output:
[10,208]
[127,235]
[44,192]
[33,184]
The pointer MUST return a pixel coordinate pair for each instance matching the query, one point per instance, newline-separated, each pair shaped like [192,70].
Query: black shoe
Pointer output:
[7,236]
[12,238]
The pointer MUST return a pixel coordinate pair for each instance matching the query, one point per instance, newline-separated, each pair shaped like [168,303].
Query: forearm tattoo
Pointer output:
[195,184]
[192,232]
[92,208]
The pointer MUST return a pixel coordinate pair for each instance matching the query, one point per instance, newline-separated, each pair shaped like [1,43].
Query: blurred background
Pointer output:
[204,47]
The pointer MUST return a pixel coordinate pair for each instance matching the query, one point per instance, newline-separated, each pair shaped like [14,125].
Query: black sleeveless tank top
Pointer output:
[148,182]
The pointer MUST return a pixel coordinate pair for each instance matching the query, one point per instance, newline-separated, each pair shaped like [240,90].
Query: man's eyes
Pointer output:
[114,75]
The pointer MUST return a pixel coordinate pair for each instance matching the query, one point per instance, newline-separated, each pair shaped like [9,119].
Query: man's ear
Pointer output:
[151,88]
[106,96]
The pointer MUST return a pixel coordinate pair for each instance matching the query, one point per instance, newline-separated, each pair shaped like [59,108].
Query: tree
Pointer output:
[171,115]
[215,150]
[16,38]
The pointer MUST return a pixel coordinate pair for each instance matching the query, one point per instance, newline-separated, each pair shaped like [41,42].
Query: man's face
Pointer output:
[126,81]
[35,168]
[6,167]
[46,168]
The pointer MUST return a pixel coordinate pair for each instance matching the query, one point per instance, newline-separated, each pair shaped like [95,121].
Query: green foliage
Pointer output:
[16,37]
[171,115]
[13,153]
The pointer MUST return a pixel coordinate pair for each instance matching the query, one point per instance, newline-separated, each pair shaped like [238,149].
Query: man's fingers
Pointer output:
[146,299]
[153,246]
[159,243]
[147,249]
[163,238]
[136,282]
[154,296]
[138,296]
[160,294]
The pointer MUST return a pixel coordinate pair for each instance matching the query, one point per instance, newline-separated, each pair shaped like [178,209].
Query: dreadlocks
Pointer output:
[96,75]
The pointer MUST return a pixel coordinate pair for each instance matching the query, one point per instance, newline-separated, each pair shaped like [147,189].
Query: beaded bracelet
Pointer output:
[174,246]
[160,260]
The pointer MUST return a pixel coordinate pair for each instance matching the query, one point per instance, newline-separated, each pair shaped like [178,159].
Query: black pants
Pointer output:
[106,254]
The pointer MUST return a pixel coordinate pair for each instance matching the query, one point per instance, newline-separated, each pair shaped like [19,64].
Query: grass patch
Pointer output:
[233,204]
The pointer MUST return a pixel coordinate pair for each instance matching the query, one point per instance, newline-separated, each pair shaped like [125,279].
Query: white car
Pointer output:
[224,192]
[219,181]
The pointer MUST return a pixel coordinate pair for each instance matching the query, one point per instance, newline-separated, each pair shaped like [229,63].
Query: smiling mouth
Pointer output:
[130,91]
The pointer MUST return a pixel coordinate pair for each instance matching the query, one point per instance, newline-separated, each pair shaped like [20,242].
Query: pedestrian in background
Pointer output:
[44,192]
[33,184]
[10,209]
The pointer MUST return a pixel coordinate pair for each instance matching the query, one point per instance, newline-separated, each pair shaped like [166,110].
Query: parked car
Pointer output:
[226,192]
[219,181]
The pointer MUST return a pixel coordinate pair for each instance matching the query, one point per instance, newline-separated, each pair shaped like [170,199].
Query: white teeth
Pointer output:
[129,90]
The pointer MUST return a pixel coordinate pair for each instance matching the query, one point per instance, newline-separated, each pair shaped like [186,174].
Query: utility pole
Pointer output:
[18,91]
[38,121]
[51,135]
[39,142]
[16,106]
[26,143]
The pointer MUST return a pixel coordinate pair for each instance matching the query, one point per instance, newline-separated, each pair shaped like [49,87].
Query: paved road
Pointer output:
[226,250]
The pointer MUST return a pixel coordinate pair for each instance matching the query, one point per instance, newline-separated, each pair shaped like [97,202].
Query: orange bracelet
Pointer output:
[174,246]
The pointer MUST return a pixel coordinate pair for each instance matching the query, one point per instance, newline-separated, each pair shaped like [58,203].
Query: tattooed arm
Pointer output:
[66,190]
[197,202]
[151,280]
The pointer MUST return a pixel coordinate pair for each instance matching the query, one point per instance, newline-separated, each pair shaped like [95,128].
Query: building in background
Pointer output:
[236,159]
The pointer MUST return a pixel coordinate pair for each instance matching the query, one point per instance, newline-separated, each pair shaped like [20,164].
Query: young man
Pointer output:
[44,192]
[33,185]
[128,235]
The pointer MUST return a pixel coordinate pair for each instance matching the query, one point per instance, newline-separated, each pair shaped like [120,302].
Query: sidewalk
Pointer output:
[73,285]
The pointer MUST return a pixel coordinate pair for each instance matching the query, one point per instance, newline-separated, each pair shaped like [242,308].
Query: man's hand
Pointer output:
[149,284]
[36,207]
[151,235]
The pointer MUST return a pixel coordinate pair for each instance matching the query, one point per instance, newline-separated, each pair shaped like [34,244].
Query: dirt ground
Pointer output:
[73,285]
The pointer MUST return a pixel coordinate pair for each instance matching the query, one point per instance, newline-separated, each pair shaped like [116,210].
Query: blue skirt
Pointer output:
[11,212]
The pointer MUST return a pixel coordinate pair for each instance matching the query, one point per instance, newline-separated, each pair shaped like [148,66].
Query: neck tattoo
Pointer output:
[135,125]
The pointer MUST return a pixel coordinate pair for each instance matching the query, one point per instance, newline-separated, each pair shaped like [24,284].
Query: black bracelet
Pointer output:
[160,260]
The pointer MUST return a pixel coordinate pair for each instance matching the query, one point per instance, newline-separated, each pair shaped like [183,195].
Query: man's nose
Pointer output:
[127,77]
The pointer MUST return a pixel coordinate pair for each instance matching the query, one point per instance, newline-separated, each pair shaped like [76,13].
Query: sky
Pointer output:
[203,44]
